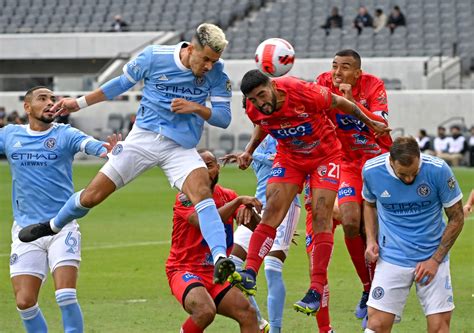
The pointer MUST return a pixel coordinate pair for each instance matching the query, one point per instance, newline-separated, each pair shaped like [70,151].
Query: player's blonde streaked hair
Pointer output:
[212,36]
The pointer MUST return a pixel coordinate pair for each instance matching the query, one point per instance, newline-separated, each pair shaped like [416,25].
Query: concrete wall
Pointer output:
[409,109]
[73,45]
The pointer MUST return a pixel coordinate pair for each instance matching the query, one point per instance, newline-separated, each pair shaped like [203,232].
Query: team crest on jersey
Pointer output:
[322,170]
[423,190]
[199,81]
[184,200]
[50,143]
[117,149]
[299,109]
[452,183]
[13,259]
[228,85]
[378,293]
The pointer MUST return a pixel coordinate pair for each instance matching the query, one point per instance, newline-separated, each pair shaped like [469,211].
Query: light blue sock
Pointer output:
[70,310]
[212,228]
[33,320]
[71,210]
[239,263]
[276,292]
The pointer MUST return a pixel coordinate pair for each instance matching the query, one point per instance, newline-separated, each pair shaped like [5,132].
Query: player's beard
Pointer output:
[44,119]
[272,106]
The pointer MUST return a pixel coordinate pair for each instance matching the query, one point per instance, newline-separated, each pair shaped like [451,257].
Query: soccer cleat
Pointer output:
[310,303]
[35,231]
[364,322]
[361,308]
[223,268]
[264,326]
[245,281]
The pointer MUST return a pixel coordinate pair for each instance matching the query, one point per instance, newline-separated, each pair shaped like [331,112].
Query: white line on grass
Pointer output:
[113,246]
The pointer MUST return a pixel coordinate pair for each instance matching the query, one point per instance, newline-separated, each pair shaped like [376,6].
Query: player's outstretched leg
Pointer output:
[310,303]
[223,268]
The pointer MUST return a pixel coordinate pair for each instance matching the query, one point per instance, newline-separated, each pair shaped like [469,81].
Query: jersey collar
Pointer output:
[38,133]
[177,60]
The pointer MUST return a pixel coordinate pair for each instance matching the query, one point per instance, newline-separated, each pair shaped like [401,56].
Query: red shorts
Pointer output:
[350,185]
[181,283]
[324,172]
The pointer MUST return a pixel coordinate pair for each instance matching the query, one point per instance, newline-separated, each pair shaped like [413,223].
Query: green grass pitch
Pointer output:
[125,242]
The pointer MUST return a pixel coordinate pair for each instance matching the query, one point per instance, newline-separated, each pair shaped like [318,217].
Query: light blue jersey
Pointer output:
[262,166]
[41,168]
[410,217]
[166,78]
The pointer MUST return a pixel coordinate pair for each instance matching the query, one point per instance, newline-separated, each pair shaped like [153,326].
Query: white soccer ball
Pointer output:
[275,57]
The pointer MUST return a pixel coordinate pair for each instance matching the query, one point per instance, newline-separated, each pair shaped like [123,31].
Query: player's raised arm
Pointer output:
[348,107]
[245,158]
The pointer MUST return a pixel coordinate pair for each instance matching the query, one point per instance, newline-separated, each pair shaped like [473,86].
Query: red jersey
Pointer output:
[189,251]
[358,140]
[301,125]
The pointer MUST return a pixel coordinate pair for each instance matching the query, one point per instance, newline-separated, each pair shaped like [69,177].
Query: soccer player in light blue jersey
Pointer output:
[40,155]
[405,194]
[177,81]
[262,163]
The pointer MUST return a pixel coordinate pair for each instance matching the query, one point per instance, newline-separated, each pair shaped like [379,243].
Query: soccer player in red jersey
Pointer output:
[359,143]
[190,265]
[294,112]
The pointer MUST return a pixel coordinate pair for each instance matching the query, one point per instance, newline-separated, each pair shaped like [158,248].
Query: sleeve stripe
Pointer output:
[84,143]
[452,202]
[220,99]
[129,78]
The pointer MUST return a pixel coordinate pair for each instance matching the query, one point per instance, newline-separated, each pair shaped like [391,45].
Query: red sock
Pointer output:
[322,250]
[356,248]
[190,326]
[322,317]
[260,244]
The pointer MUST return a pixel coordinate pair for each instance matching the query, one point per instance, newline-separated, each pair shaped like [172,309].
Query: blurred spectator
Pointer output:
[2,116]
[441,142]
[14,118]
[334,21]
[424,142]
[380,20]
[457,146]
[396,19]
[363,19]
[470,143]
[119,24]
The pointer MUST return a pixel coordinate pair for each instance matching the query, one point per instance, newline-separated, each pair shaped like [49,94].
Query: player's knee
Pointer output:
[204,314]
[246,314]
[25,301]
[377,324]
[322,223]
[351,225]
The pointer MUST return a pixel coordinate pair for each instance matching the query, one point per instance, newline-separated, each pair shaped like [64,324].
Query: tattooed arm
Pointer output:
[348,107]
[426,270]
[453,229]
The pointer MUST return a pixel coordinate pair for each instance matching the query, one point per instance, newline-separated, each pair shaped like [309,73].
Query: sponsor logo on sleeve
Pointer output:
[452,183]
